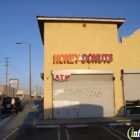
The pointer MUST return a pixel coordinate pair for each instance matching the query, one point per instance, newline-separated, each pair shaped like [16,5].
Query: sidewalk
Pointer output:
[90,120]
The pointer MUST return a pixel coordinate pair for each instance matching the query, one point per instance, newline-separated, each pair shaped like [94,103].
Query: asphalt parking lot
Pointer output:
[91,131]
[34,127]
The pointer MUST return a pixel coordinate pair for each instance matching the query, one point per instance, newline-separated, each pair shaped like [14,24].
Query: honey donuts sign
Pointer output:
[84,58]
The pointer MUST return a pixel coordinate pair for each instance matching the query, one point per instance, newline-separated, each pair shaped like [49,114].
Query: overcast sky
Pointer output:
[18,23]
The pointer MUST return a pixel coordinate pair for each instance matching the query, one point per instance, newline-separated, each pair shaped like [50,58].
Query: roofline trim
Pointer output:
[81,19]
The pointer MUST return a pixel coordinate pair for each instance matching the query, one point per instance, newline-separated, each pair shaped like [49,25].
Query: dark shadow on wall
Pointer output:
[121,112]
[77,111]
[72,112]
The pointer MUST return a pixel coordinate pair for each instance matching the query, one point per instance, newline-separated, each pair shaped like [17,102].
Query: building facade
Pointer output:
[88,72]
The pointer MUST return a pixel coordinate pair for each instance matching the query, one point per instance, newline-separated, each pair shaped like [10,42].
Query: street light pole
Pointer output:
[19,42]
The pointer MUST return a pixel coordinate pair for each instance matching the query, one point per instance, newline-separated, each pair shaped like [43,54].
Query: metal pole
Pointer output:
[6,73]
[30,90]
[30,72]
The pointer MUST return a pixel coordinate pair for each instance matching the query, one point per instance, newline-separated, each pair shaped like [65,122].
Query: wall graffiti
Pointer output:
[67,101]
[82,93]
[68,110]
[79,92]
[66,107]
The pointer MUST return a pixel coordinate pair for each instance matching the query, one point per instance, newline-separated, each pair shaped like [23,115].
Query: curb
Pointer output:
[112,121]
[119,124]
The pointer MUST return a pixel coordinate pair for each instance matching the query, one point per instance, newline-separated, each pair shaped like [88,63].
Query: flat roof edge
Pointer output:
[81,19]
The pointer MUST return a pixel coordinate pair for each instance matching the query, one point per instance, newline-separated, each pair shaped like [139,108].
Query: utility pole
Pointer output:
[6,64]
[40,90]
[37,89]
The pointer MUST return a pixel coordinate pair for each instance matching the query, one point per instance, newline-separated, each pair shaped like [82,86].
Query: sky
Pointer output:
[18,23]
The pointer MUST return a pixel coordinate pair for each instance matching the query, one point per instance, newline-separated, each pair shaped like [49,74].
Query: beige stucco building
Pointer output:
[88,72]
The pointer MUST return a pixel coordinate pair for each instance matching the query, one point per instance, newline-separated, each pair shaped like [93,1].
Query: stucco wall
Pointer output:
[67,38]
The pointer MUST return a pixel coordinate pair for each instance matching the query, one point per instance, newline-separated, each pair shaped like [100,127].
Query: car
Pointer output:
[11,104]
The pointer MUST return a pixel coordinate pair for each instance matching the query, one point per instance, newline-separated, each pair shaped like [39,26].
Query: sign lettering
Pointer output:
[84,58]
[61,77]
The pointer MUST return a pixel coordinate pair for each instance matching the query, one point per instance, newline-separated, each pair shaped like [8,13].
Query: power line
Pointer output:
[14,67]
[17,71]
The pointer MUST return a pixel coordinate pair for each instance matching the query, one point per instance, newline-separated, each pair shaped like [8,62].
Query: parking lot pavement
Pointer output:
[113,128]
[91,120]
[90,131]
